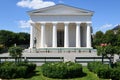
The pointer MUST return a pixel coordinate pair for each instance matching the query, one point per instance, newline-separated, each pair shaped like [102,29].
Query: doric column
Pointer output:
[78,35]
[31,36]
[66,35]
[54,35]
[88,41]
[42,35]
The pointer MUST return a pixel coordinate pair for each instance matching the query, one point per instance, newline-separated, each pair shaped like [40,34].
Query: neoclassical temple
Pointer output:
[60,26]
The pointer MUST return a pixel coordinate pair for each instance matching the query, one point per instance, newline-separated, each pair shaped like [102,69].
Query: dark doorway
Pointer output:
[60,38]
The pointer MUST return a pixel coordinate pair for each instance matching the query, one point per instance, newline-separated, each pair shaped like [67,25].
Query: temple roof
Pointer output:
[61,9]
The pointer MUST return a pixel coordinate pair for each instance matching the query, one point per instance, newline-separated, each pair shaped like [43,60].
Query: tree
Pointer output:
[101,50]
[15,52]
[108,51]
[7,38]
[23,38]
[98,38]
[110,37]
[118,37]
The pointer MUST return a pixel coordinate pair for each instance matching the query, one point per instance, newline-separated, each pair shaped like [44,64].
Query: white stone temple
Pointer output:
[60,26]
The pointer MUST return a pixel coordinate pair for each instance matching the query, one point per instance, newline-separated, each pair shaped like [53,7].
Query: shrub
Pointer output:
[21,71]
[115,73]
[104,72]
[62,70]
[117,64]
[95,66]
[10,70]
[30,67]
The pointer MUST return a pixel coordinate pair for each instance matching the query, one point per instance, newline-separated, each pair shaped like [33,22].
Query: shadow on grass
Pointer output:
[78,76]
[70,77]
[30,75]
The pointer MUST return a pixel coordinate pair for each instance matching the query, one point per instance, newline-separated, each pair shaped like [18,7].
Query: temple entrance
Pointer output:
[60,38]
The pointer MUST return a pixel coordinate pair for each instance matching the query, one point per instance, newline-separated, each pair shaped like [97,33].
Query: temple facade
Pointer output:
[60,26]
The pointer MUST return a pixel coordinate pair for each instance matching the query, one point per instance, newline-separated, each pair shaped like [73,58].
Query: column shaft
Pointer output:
[66,35]
[43,35]
[78,35]
[54,38]
[31,36]
[88,41]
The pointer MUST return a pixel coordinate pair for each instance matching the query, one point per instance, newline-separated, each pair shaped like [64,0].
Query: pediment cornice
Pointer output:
[61,9]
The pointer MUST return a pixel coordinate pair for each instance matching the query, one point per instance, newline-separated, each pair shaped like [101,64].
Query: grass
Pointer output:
[39,76]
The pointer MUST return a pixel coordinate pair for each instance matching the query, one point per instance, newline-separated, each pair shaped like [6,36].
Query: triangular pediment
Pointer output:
[60,9]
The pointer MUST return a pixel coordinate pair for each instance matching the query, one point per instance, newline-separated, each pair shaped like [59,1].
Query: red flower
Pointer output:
[103,44]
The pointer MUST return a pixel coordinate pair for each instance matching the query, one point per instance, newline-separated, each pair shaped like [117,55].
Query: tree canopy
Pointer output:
[109,37]
[9,38]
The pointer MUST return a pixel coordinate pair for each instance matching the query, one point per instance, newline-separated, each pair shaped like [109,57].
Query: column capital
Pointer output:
[88,23]
[78,23]
[54,23]
[43,23]
[66,22]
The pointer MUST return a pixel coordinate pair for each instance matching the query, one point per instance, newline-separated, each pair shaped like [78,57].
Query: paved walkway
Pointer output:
[67,56]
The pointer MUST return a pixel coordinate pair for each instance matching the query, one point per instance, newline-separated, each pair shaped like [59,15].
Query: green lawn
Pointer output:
[39,76]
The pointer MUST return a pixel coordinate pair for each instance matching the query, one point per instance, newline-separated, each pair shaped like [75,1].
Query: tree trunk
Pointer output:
[102,58]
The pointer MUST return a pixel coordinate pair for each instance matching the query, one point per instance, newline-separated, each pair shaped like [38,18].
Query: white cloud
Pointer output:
[35,4]
[24,24]
[104,27]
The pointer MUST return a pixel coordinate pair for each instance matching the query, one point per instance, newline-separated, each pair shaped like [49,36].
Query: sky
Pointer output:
[14,17]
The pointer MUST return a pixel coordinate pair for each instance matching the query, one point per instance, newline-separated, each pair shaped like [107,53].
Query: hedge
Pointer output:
[62,70]
[104,71]
[115,74]
[10,70]
[95,66]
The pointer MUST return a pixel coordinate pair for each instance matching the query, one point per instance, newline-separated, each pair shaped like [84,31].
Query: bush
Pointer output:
[115,74]
[30,67]
[62,70]
[21,71]
[10,70]
[104,72]
[7,71]
[117,64]
[95,66]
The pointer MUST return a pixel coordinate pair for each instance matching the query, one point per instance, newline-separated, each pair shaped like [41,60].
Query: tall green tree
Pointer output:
[108,51]
[7,38]
[23,38]
[118,37]
[110,37]
[98,38]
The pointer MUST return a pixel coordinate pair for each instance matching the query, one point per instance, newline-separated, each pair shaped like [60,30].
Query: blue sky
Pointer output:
[14,17]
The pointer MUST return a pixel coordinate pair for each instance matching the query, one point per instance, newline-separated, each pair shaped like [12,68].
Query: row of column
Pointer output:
[66,35]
